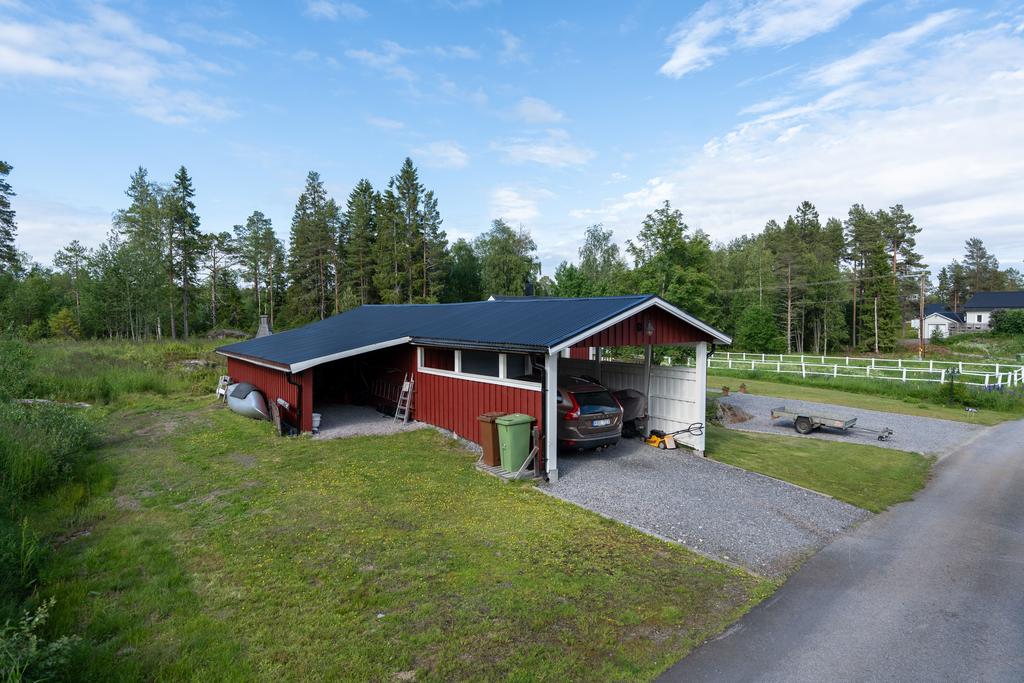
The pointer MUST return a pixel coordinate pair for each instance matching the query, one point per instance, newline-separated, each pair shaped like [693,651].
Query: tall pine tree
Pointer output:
[8,228]
[360,221]
[312,254]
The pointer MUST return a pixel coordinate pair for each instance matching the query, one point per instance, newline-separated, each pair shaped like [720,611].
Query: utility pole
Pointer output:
[789,309]
[920,319]
[853,325]
[876,323]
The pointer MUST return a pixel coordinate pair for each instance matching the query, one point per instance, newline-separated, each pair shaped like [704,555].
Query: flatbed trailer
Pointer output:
[805,423]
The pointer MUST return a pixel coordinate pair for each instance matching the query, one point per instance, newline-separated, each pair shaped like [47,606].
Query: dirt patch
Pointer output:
[66,538]
[244,460]
[728,413]
[126,502]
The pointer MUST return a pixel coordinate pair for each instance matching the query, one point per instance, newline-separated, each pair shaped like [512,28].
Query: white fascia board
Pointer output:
[639,308]
[306,364]
[253,361]
[483,379]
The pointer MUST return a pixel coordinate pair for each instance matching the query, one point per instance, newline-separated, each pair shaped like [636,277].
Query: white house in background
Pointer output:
[939,318]
[978,311]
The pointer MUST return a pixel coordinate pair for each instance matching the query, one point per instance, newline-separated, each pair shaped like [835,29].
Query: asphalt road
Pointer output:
[932,590]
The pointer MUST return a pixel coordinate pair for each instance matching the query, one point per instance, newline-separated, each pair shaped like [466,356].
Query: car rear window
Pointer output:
[592,402]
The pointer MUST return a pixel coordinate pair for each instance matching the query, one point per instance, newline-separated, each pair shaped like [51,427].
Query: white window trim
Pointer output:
[502,380]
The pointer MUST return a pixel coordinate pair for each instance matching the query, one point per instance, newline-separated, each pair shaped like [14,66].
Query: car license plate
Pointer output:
[601,423]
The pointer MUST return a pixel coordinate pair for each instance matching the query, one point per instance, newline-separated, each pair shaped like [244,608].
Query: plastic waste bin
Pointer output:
[489,438]
[514,440]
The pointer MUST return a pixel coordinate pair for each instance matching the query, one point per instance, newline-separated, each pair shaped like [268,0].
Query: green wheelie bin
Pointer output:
[514,440]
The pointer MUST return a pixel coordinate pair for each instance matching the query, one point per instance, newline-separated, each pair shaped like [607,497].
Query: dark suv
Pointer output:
[588,415]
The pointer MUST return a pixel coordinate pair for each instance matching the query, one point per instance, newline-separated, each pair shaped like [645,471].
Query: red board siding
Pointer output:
[632,331]
[454,404]
[274,384]
[580,352]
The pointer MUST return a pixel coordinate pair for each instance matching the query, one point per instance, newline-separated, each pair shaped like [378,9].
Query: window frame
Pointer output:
[501,380]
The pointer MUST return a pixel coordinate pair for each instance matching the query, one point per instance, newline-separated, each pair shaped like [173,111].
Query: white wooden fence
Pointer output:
[992,375]
[674,401]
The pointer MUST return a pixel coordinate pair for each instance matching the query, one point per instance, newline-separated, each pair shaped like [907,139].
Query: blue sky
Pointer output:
[552,115]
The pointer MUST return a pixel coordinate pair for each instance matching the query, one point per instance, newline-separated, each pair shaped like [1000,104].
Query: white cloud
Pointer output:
[718,27]
[517,205]
[45,225]
[511,48]
[453,52]
[109,52]
[534,110]
[554,148]
[886,50]
[384,123]
[442,154]
[943,138]
[388,60]
[326,9]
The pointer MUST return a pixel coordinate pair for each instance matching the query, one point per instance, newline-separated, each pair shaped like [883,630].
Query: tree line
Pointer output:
[800,284]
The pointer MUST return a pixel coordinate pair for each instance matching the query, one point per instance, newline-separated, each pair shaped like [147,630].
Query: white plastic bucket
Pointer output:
[316,423]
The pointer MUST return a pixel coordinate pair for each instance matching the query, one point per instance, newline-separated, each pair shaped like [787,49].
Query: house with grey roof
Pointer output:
[978,310]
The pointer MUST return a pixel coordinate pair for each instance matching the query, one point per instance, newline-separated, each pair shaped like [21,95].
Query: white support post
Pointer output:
[551,415]
[702,392]
[648,351]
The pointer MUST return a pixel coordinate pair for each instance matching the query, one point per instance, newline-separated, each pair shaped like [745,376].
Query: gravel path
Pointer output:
[760,523]
[340,421]
[927,435]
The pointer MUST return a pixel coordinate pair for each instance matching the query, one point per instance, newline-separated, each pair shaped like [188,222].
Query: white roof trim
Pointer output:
[254,361]
[306,364]
[640,307]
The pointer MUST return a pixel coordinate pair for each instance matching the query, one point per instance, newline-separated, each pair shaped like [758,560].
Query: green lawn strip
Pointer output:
[222,548]
[869,477]
[864,401]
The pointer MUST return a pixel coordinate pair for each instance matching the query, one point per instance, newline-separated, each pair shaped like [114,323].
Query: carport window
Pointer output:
[484,363]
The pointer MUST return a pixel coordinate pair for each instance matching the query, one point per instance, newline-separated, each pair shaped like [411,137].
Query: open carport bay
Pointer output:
[762,524]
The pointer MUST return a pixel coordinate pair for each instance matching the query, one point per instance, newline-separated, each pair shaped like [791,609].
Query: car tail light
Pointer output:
[574,412]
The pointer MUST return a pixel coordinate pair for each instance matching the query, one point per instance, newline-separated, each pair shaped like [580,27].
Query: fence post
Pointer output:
[803,369]
[942,377]
[867,371]
[997,368]
[931,365]
[835,370]
[730,363]
[752,364]
[847,360]
[960,367]
[762,357]
[872,362]
[904,374]
[986,379]
[778,368]
[899,363]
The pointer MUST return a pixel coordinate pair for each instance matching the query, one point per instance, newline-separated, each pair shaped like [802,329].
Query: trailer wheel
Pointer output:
[803,425]
[662,445]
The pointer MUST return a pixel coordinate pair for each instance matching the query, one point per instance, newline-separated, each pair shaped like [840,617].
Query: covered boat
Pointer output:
[245,399]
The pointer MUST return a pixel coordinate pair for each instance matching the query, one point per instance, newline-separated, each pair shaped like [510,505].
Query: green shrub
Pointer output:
[25,655]
[40,446]
[15,367]
[1008,322]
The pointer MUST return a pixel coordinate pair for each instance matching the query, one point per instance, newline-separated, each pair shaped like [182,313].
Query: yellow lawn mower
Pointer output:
[667,441]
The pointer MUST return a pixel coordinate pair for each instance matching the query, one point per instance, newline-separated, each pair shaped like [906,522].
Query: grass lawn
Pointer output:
[869,477]
[856,400]
[209,549]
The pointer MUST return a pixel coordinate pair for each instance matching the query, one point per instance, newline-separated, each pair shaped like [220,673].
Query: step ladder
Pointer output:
[404,399]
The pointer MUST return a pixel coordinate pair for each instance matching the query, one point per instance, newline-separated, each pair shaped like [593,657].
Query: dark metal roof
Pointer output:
[943,310]
[987,301]
[534,323]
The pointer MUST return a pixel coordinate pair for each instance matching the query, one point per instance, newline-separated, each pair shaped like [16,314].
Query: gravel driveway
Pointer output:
[927,435]
[760,523]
